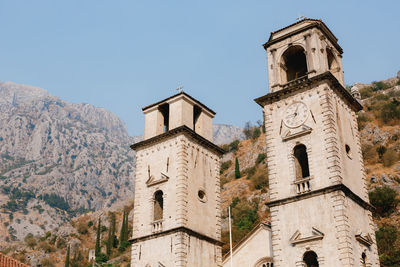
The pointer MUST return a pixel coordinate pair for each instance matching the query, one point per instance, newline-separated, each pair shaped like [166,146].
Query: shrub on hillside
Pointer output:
[384,200]
[389,158]
[390,111]
[260,181]
[247,130]
[386,238]
[225,165]
[30,241]
[101,257]
[82,228]
[61,243]
[45,247]
[234,146]
[256,133]
[244,214]
[366,92]
[381,150]
[377,86]
[362,120]
[250,171]
[260,158]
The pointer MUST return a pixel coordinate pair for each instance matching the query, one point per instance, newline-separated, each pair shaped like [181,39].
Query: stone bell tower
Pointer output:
[319,204]
[177,215]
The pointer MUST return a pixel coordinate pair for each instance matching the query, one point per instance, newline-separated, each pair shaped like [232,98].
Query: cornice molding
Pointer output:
[305,82]
[323,191]
[177,230]
[181,129]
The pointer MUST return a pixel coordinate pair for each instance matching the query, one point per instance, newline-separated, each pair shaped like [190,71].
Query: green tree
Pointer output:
[111,234]
[97,247]
[122,233]
[384,200]
[67,257]
[247,130]
[256,133]
[237,169]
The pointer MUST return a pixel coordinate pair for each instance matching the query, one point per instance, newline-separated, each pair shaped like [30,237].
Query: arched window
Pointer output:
[294,63]
[364,259]
[264,262]
[301,161]
[158,205]
[310,259]
[332,63]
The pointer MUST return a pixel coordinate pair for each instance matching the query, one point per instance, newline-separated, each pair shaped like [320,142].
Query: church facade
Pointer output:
[320,211]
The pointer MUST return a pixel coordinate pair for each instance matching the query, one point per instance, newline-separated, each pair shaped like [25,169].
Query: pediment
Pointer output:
[366,240]
[153,180]
[298,238]
[296,132]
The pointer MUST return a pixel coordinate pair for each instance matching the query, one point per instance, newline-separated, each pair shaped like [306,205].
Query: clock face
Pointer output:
[296,114]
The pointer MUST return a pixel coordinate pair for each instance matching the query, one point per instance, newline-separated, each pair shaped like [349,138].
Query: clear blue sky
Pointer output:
[123,55]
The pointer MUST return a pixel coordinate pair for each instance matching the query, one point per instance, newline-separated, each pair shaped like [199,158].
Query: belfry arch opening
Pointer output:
[164,110]
[310,259]
[196,115]
[158,205]
[301,161]
[332,62]
[293,63]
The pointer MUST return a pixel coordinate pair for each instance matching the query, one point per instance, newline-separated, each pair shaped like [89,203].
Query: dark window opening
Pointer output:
[158,205]
[301,161]
[310,259]
[332,63]
[202,195]
[364,259]
[294,63]
[348,150]
[196,115]
[164,109]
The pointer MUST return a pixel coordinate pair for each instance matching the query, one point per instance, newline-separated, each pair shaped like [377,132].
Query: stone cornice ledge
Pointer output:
[176,230]
[304,82]
[322,191]
[181,129]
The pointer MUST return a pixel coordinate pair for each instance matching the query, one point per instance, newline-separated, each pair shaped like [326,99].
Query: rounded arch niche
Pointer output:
[310,259]
[293,64]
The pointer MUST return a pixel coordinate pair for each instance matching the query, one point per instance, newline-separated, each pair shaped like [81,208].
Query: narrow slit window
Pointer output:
[158,205]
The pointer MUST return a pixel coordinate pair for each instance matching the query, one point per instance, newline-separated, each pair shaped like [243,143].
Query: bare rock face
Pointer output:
[58,155]
[224,134]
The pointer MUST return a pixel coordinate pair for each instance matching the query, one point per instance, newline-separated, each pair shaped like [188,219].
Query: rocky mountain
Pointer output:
[224,134]
[57,159]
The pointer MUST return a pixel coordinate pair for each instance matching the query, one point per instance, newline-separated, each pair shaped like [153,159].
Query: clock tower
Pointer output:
[177,214]
[320,211]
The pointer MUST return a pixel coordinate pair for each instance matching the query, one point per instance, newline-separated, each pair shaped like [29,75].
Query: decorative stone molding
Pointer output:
[294,133]
[154,181]
[297,239]
[366,240]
